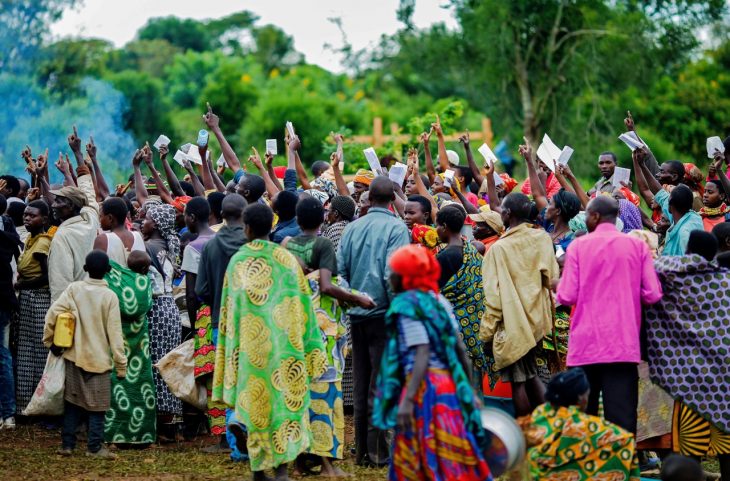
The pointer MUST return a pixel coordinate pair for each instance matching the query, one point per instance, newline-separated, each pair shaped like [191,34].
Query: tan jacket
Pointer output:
[98,327]
[72,242]
[517,272]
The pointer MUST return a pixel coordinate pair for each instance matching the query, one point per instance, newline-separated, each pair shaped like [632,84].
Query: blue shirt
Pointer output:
[284,229]
[362,259]
[677,238]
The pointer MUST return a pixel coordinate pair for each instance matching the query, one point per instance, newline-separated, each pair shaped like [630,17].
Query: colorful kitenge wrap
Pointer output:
[132,417]
[204,358]
[567,444]
[465,292]
[693,435]
[426,236]
[327,412]
[630,215]
[450,435]
[269,349]
[688,336]
[551,358]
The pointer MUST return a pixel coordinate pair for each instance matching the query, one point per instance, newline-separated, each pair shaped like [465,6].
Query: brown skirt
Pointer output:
[88,390]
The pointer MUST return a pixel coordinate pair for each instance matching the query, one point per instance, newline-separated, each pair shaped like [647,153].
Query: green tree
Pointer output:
[232,89]
[63,64]
[146,112]
[149,56]
[184,33]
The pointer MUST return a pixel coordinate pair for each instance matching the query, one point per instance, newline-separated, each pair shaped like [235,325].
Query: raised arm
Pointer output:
[301,172]
[339,179]
[464,139]
[717,161]
[65,167]
[420,187]
[269,161]
[172,180]
[217,182]
[204,171]
[468,206]
[164,193]
[74,142]
[140,191]
[641,182]
[197,185]
[270,186]
[492,188]
[213,123]
[102,188]
[651,163]
[430,171]
[577,188]
[639,155]
[443,158]
[538,189]
[42,178]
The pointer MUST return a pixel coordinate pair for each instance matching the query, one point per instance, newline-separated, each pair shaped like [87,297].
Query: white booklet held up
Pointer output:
[631,140]
[161,140]
[714,144]
[372,159]
[271,146]
[487,154]
[565,155]
[548,152]
[397,173]
[621,174]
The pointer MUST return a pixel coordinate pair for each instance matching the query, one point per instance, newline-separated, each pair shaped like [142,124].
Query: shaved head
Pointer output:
[605,206]
[381,190]
[232,207]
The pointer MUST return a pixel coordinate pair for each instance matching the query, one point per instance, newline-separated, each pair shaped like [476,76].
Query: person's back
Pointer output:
[364,249]
[604,277]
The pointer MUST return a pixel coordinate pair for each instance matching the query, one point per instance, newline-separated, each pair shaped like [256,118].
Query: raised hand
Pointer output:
[565,171]
[31,168]
[464,138]
[41,165]
[488,168]
[255,159]
[295,143]
[211,119]
[640,154]
[164,150]
[337,137]
[525,150]
[629,121]
[425,136]
[62,165]
[187,165]
[137,158]
[34,193]
[335,160]
[436,126]
[91,148]
[269,159]
[26,154]
[74,141]
[147,154]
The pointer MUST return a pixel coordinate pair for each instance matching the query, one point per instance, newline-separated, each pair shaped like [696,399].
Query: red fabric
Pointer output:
[179,203]
[509,182]
[630,196]
[279,172]
[417,267]
[553,186]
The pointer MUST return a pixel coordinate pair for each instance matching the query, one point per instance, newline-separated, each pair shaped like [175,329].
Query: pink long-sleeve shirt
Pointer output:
[607,277]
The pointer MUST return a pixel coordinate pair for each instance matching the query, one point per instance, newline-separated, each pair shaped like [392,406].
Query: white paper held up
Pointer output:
[631,140]
[449,178]
[397,173]
[487,154]
[221,162]
[186,148]
[180,157]
[497,179]
[565,155]
[548,152]
[714,144]
[271,146]
[621,174]
[372,159]
[161,140]
[290,129]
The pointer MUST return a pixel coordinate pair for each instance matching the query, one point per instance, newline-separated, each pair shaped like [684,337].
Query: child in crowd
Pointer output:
[98,331]
[681,468]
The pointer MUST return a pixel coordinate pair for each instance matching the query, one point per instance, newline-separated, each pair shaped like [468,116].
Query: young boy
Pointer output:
[98,331]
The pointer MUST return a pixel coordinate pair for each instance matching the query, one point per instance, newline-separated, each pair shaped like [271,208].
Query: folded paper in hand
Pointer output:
[161,140]
[397,173]
[290,129]
[194,156]
[548,152]
[372,159]
[271,146]
[714,144]
[186,148]
[621,175]
[221,162]
[449,178]
[180,157]
[488,154]
[631,140]
[565,155]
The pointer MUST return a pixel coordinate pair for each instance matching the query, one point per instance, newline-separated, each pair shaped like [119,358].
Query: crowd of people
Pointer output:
[602,326]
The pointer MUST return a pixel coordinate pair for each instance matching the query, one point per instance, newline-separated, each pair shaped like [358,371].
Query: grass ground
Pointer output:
[29,453]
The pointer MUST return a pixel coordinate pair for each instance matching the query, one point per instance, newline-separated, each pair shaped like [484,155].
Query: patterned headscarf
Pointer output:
[364,176]
[322,197]
[417,267]
[509,183]
[326,186]
[425,235]
[693,177]
[630,215]
[164,217]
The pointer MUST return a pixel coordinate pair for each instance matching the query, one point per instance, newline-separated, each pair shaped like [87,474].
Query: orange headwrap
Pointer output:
[179,203]
[417,267]
[509,183]
[693,176]
[364,176]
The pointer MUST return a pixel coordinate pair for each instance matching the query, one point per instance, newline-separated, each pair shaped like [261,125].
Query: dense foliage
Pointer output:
[567,67]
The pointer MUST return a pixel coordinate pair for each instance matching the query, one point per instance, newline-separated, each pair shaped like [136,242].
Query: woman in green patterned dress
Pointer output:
[131,419]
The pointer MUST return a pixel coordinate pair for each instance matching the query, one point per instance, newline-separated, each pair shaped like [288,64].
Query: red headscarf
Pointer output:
[630,196]
[693,177]
[417,267]
[179,203]
[280,171]
[509,182]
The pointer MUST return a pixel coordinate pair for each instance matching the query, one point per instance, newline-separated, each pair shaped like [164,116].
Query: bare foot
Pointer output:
[329,470]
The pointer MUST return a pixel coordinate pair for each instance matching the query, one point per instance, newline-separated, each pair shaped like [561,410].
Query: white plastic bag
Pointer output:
[47,399]
[177,369]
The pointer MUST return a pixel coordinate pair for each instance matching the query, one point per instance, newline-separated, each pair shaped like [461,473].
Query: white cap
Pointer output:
[453,157]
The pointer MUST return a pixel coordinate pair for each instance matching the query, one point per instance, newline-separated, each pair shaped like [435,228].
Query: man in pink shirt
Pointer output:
[608,276]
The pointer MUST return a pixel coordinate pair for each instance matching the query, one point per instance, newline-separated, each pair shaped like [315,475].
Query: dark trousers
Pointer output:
[72,417]
[368,343]
[619,384]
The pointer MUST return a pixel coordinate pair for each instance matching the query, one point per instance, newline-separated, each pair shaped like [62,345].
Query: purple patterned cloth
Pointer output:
[688,334]
[630,215]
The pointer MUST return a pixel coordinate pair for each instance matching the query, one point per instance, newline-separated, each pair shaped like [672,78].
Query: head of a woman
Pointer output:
[714,194]
[449,222]
[569,388]
[564,206]
[417,211]
[414,267]
[160,220]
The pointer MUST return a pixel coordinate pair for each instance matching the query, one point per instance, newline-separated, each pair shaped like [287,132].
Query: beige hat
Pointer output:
[74,194]
[489,217]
